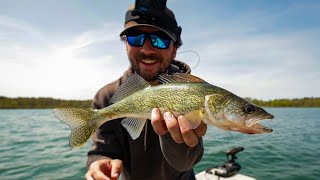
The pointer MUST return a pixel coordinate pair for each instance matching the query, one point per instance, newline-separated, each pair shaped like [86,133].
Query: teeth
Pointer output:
[251,122]
[148,61]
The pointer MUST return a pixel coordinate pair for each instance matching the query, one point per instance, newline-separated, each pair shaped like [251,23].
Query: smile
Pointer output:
[147,61]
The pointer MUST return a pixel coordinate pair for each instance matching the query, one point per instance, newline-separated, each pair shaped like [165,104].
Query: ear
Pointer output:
[124,40]
[174,52]
[127,45]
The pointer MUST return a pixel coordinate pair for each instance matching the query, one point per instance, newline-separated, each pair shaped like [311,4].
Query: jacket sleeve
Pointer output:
[106,145]
[180,156]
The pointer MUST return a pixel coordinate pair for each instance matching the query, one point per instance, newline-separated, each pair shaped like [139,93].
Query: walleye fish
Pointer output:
[181,94]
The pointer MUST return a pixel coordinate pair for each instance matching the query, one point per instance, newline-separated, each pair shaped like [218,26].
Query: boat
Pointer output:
[228,171]
[210,175]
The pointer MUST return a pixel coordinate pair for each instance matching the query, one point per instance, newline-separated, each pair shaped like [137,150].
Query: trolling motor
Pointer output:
[230,167]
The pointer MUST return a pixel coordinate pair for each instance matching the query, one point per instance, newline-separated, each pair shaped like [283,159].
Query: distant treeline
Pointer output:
[41,103]
[297,102]
[35,103]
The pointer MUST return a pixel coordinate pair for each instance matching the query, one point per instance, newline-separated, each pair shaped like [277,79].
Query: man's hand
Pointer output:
[108,169]
[169,123]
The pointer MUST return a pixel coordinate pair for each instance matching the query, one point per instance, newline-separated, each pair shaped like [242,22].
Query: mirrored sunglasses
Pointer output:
[157,39]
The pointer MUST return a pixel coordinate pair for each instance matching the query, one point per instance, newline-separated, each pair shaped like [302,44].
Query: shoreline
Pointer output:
[49,103]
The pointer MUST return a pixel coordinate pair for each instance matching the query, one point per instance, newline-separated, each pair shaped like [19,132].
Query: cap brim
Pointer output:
[130,25]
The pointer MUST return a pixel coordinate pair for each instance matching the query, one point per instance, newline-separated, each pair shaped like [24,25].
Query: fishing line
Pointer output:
[236,140]
[195,52]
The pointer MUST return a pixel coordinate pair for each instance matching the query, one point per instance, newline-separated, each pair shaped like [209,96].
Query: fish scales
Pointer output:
[177,98]
[182,94]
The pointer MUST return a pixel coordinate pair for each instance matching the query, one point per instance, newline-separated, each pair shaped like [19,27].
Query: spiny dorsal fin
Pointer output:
[133,84]
[180,78]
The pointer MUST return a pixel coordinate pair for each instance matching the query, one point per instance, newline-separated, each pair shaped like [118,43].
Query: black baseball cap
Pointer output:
[166,23]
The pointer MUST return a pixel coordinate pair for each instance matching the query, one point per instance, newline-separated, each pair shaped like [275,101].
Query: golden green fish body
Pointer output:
[178,98]
[197,100]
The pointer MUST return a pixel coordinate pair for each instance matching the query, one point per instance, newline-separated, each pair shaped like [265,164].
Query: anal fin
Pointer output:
[133,126]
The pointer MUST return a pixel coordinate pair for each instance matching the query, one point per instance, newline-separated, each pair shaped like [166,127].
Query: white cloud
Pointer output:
[14,24]
[265,66]
[60,69]
[260,53]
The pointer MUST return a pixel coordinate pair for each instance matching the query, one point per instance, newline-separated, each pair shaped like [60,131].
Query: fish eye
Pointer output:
[249,109]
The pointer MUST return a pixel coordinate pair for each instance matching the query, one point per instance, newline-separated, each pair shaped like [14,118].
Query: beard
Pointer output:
[149,76]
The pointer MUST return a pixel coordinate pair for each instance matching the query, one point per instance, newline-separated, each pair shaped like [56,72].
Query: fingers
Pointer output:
[88,177]
[96,169]
[201,130]
[168,123]
[106,169]
[173,127]
[116,168]
[189,136]
[98,175]
[157,122]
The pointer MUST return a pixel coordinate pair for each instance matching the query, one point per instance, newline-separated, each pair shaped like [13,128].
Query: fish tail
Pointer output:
[81,122]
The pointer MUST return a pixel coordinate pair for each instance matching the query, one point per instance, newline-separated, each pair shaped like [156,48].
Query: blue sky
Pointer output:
[70,49]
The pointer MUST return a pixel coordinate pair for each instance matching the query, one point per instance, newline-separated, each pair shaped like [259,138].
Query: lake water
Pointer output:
[34,145]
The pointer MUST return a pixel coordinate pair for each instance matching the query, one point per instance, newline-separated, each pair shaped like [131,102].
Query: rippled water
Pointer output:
[292,151]
[34,145]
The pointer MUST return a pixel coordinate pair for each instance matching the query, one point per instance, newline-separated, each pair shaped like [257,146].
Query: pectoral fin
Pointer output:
[192,119]
[133,126]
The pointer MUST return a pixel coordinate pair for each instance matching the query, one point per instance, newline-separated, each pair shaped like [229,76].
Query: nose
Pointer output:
[147,48]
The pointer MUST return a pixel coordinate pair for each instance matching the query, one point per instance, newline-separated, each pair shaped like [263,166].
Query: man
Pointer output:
[164,150]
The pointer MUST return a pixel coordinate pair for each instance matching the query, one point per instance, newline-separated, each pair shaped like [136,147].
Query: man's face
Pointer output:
[149,61]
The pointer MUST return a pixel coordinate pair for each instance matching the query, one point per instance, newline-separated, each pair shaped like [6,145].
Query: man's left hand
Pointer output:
[169,123]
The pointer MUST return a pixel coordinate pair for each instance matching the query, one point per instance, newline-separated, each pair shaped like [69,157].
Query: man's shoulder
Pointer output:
[103,96]
[179,67]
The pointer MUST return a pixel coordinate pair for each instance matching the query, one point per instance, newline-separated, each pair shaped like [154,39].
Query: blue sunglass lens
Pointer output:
[159,42]
[137,40]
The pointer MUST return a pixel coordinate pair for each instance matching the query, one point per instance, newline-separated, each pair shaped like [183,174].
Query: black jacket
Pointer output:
[162,158]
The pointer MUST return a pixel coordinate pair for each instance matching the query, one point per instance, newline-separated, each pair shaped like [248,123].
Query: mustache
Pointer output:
[152,57]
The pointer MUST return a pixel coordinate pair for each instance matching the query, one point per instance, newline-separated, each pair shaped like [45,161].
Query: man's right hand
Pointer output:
[106,169]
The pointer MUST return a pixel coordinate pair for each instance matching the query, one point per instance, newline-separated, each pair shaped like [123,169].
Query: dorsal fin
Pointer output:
[133,84]
[180,78]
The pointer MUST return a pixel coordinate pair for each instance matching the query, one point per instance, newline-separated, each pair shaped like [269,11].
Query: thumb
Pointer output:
[116,168]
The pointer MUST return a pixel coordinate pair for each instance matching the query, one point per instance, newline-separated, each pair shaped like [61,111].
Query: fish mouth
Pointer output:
[253,124]
[258,129]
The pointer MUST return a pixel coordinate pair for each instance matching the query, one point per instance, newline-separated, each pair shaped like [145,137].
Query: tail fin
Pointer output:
[81,123]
